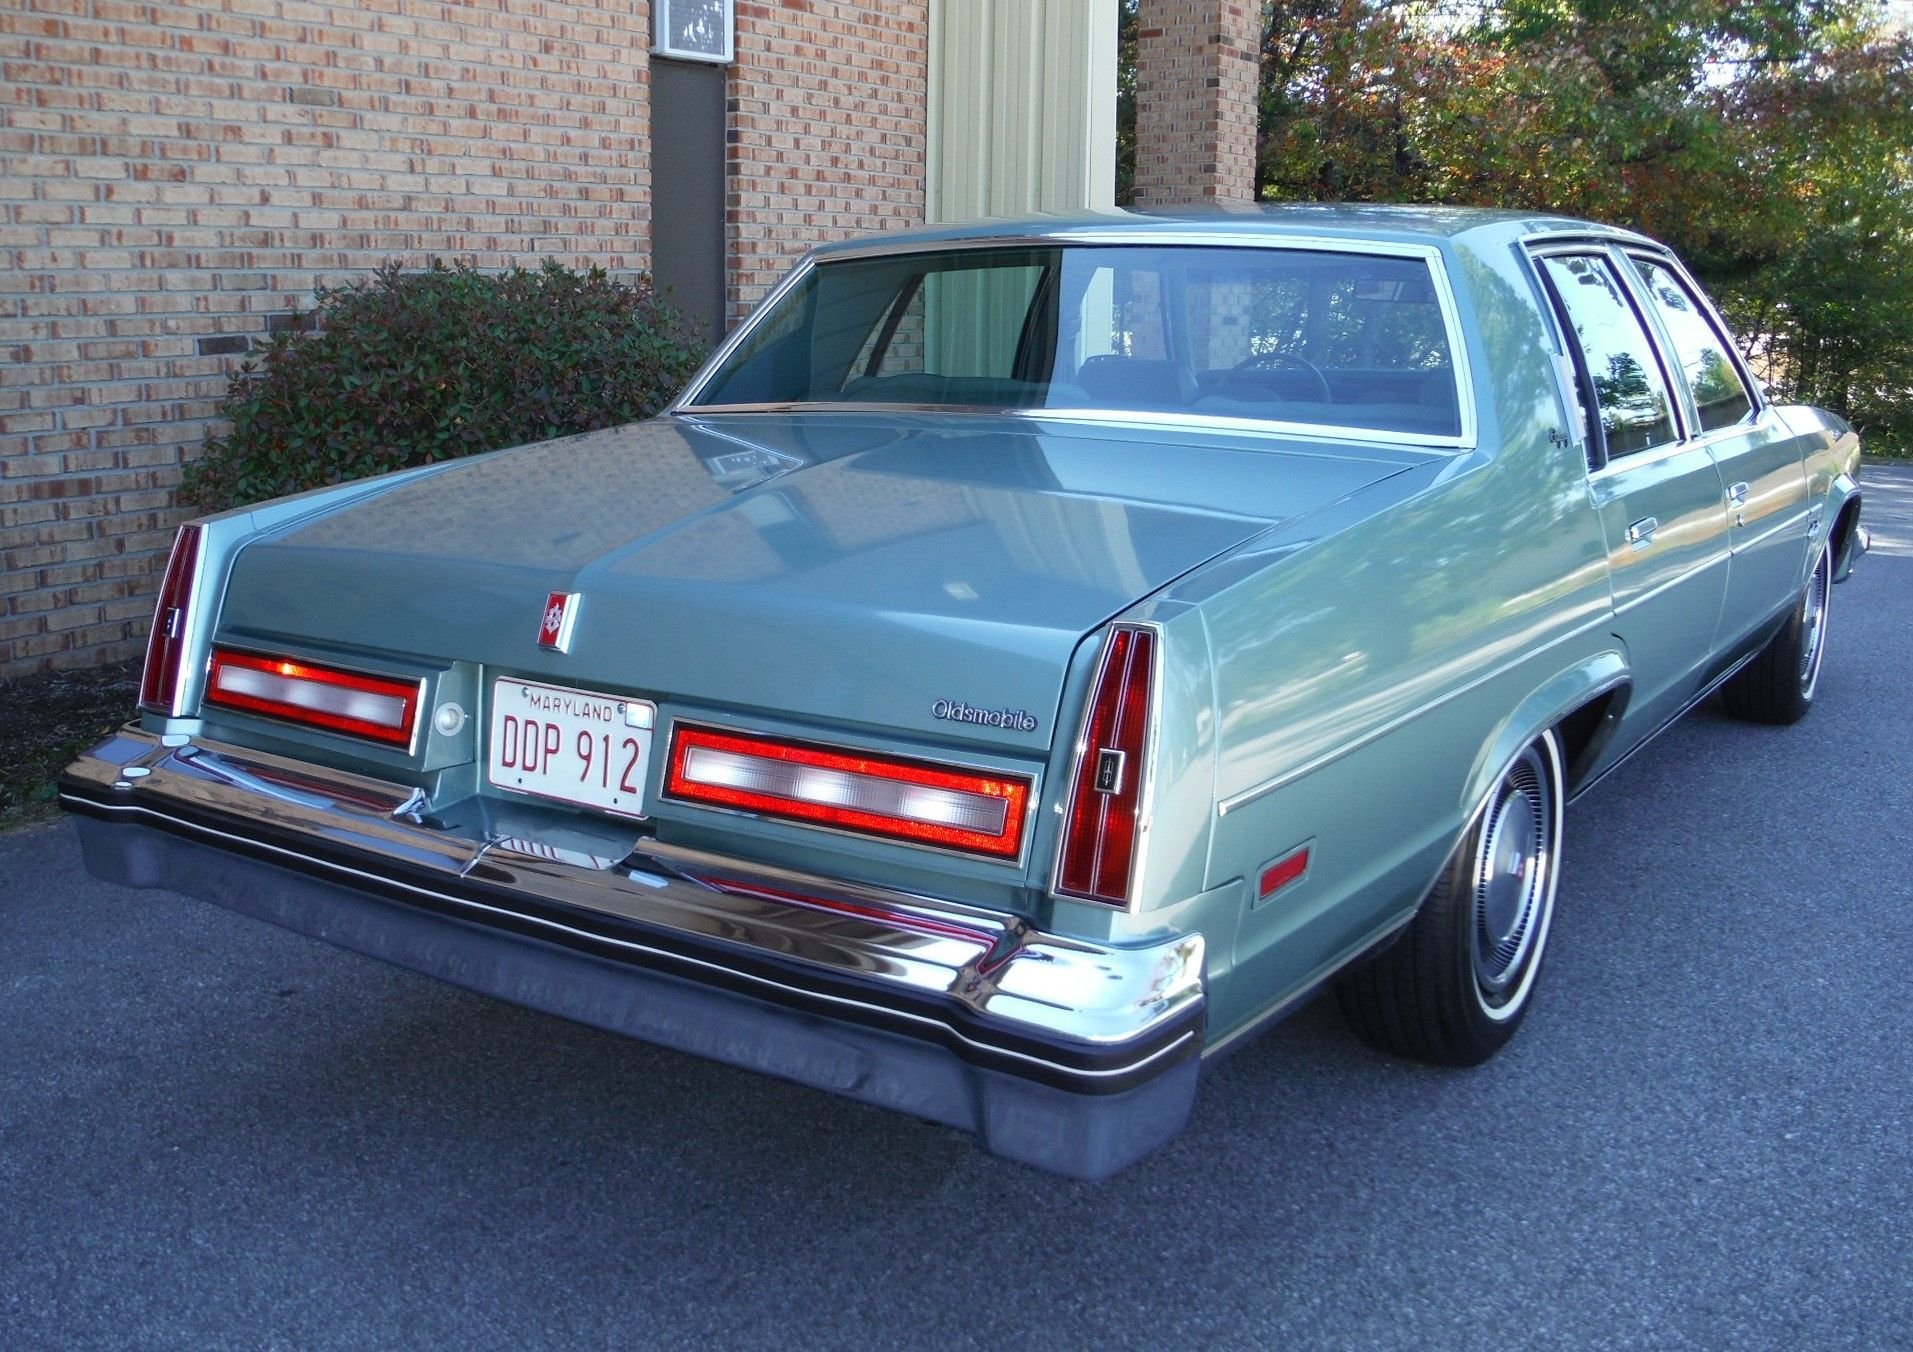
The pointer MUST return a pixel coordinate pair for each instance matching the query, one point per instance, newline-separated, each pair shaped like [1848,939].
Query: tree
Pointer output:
[1770,143]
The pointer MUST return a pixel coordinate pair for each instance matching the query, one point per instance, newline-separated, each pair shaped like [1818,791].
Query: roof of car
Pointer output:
[1245,223]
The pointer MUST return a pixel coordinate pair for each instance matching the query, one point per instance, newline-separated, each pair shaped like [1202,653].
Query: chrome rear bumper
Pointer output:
[1063,1054]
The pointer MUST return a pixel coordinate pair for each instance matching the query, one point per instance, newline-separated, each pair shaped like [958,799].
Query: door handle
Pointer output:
[1641,533]
[1738,495]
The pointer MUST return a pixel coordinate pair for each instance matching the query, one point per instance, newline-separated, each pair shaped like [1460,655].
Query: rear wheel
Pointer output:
[1778,685]
[1457,983]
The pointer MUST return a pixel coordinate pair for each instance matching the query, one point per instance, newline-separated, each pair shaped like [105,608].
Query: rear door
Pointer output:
[1760,460]
[1660,495]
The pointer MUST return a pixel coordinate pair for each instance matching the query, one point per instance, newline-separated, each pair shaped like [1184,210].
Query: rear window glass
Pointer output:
[1293,336]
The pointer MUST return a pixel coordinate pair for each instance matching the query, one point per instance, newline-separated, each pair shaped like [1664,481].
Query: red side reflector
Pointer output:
[1098,852]
[908,800]
[159,686]
[1282,872]
[379,708]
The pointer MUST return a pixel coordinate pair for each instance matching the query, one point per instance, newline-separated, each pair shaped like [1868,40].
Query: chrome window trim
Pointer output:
[1032,776]
[1106,417]
[1128,239]
[1706,441]
[1430,255]
[1659,455]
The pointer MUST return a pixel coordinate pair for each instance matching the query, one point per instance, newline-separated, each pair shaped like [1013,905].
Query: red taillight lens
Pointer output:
[908,800]
[159,686]
[380,708]
[1099,833]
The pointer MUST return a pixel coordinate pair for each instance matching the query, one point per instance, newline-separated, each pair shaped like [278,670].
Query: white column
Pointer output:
[1022,107]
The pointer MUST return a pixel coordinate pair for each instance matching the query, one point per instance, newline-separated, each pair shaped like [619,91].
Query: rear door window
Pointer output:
[1630,389]
[1721,397]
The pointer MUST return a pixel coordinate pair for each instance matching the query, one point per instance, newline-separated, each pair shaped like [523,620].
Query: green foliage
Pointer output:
[1771,143]
[409,368]
[1126,26]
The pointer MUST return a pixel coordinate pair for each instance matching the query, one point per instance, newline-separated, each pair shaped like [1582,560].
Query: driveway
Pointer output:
[213,1133]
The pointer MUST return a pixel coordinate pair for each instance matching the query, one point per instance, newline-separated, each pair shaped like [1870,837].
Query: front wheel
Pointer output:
[1778,685]
[1454,987]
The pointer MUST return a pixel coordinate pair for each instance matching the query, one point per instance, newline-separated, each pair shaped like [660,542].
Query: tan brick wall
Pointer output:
[827,130]
[1196,63]
[176,177]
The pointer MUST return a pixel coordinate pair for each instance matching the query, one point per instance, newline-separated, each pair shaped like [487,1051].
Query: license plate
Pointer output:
[571,745]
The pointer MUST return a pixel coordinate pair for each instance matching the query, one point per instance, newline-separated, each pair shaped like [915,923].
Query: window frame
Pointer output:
[1703,304]
[661,36]
[1594,431]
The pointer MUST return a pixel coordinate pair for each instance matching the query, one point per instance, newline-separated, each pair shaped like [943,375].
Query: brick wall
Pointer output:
[1196,64]
[827,130]
[174,180]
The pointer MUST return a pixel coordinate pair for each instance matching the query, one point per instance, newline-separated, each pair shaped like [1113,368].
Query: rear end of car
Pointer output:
[850,912]
[842,738]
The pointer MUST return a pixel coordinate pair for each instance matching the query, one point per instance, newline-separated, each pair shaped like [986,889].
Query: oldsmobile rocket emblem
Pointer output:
[561,613]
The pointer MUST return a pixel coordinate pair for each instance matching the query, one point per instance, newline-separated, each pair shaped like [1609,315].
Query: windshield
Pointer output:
[1293,336]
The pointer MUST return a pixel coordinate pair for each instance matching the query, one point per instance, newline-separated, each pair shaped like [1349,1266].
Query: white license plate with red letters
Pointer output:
[571,745]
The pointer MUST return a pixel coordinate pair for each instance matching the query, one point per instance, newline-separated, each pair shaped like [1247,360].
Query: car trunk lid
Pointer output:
[929,577]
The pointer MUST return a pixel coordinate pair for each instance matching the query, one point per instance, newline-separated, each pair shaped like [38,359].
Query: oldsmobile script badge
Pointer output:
[956,711]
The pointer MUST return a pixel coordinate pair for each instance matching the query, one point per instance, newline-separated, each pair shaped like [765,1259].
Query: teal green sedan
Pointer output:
[1028,660]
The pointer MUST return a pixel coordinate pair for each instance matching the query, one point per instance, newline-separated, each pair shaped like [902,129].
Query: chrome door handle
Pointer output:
[1641,533]
[1738,495]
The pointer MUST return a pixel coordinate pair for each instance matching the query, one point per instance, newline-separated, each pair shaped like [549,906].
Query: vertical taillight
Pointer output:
[159,687]
[1103,816]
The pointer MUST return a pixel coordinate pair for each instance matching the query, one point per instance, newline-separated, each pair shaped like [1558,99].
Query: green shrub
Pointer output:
[409,368]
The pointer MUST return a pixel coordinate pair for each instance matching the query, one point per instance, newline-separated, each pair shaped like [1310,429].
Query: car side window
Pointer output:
[1630,390]
[1721,397]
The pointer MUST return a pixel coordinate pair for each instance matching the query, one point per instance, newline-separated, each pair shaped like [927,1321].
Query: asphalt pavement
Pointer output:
[214,1133]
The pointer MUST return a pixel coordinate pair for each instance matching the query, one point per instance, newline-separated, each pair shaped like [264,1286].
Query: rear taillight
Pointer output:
[908,800]
[1102,821]
[379,708]
[160,687]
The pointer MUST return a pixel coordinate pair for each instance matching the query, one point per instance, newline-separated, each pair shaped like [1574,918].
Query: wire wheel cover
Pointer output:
[1513,880]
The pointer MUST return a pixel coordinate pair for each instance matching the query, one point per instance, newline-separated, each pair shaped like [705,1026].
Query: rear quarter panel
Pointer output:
[1830,451]
[1376,669]
[226,533]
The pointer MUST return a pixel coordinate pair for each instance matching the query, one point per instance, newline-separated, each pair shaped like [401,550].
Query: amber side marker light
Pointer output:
[159,686]
[1103,819]
[908,800]
[378,708]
